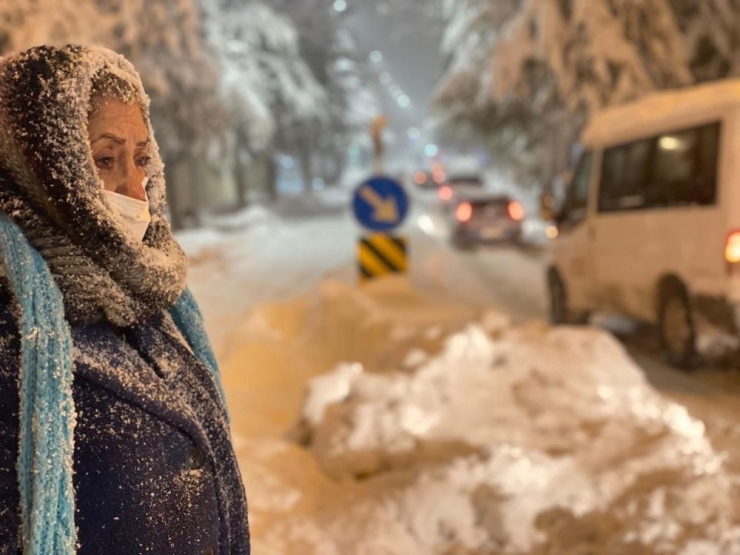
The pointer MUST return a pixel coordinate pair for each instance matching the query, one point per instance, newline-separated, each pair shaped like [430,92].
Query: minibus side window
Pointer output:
[685,168]
[575,207]
[668,170]
[624,176]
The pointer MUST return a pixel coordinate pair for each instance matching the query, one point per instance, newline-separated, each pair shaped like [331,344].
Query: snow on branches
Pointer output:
[534,66]
[265,81]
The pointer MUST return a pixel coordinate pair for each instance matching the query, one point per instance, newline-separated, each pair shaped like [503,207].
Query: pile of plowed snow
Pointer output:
[520,440]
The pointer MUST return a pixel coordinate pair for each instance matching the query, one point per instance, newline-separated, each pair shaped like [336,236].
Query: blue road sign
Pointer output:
[380,204]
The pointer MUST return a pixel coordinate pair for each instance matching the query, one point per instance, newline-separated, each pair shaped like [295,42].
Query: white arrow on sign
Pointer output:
[385,209]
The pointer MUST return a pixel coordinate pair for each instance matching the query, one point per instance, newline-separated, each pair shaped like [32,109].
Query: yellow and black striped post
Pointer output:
[381,255]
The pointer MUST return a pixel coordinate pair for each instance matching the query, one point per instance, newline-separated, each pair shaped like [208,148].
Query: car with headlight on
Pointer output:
[486,219]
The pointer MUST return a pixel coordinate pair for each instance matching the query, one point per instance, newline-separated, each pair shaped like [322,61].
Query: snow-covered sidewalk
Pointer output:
[253,257]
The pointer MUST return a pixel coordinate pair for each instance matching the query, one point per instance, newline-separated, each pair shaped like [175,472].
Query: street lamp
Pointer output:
[340,6]
[431,150]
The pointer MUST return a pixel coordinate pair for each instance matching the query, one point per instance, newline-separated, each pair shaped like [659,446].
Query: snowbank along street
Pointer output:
[440,413]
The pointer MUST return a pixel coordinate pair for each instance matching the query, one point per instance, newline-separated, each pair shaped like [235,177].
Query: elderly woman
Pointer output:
[114,437]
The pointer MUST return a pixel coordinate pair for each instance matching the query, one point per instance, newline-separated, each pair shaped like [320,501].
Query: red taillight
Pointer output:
[732,248]
[445,193]
[464,212]
[516,211]
[420,178]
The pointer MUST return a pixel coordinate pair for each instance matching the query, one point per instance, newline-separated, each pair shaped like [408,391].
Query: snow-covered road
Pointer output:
[279,296]
[269,257]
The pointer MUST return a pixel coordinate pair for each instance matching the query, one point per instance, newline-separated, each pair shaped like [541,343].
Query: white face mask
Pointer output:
[135,213]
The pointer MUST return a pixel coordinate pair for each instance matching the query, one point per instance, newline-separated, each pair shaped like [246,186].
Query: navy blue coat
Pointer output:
[154,469]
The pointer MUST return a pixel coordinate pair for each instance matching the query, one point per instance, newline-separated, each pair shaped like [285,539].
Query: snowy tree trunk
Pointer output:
[271,176]
[336,164]
[241,170]
[176,216]
[241,178]
[196,189]
[306,154]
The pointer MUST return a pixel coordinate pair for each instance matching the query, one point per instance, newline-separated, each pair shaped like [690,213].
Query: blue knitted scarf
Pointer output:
[47,412]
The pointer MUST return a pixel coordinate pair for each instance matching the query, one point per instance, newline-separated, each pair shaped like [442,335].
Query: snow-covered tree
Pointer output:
[531,71]
[353,105]
[711,31]
[266,84]
[465,111]
[334,59]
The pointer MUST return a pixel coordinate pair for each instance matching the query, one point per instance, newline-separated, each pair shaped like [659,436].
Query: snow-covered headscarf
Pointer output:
[66,258]
[50,187]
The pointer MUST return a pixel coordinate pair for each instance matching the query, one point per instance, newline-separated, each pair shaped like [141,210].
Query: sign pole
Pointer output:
[376,130]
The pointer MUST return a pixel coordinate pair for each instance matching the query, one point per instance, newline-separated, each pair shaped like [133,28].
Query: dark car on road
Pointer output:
[430,179]
[458,186]
[486,218]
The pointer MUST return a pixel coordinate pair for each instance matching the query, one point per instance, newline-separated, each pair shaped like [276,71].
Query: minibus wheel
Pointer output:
[676,326]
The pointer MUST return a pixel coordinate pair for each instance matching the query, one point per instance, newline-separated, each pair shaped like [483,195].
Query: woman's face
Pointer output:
[120,143]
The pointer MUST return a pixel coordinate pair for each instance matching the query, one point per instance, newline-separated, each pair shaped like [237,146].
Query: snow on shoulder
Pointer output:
[657,111]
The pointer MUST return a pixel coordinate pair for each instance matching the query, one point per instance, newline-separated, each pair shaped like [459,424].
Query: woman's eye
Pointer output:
[105,162]
[143,161]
